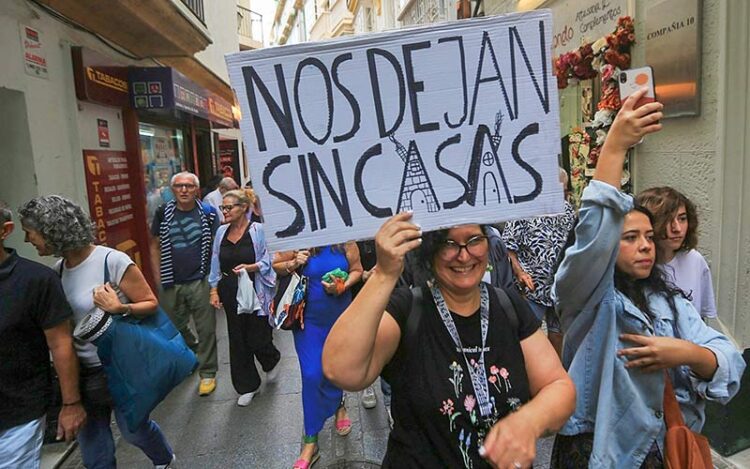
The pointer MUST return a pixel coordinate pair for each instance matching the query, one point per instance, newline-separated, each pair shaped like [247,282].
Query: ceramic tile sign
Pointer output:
[457,122]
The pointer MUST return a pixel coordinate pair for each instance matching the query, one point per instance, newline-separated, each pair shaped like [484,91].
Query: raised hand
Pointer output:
[396,237]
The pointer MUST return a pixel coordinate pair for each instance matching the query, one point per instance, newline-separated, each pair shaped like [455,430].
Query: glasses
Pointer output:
[226,208]
[476,246]
[184,186]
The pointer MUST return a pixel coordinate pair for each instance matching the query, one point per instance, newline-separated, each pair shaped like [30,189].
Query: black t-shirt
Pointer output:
[434,404]
[31,300]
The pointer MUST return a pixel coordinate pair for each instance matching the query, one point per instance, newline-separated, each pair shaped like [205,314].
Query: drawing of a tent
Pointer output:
[416,188]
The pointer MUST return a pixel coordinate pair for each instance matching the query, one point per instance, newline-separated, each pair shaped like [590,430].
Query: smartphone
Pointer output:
[633,80]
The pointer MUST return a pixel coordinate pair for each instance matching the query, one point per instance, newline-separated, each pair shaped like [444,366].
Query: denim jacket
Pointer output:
[621,406]
[265,277]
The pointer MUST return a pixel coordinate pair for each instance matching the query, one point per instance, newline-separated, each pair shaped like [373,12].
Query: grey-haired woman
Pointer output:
[56,226]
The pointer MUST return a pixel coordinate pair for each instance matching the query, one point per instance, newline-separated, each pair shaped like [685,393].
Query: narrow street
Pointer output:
[213,432]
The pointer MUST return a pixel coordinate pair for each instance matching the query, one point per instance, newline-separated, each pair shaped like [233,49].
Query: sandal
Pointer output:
[302,464]
[343,426]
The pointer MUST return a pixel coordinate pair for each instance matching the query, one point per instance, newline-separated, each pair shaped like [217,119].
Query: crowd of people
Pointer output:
[450,321]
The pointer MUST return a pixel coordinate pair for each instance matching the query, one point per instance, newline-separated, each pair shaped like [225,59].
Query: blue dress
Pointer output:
[320,398]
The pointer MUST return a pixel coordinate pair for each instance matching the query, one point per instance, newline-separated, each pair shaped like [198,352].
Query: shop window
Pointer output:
[163,155]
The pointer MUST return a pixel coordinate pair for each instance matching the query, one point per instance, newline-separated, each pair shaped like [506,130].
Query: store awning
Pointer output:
[166,88]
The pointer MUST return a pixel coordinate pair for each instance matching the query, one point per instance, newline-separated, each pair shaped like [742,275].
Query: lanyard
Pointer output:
[478,374]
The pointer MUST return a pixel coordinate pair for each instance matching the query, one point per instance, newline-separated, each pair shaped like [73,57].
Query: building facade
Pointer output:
[103,105]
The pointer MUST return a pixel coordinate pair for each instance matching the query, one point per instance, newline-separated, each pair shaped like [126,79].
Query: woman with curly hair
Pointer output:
[58,227]
[676,228]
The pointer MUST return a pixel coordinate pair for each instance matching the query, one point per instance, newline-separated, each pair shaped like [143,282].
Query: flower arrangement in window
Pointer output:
[604,58]
[587,61]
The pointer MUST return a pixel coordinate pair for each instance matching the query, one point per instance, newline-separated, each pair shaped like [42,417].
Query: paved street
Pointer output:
[213,432]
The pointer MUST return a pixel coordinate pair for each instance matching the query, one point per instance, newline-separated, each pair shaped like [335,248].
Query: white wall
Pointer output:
[221,22]
[51,162]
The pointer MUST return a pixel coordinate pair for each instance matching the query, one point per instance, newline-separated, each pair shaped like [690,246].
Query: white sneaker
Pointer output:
[369,399]
[272,375]
[245,399]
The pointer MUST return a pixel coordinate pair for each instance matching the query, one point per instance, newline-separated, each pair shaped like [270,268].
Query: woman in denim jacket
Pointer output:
[624,325]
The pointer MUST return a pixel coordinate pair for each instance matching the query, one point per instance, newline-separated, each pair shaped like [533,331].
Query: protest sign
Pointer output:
[457,122]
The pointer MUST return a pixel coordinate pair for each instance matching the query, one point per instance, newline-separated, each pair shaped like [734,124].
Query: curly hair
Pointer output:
[663,203]
[62,223]
[5,214]
[656,282]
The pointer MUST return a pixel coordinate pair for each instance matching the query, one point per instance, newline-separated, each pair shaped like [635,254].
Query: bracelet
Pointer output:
[72,403]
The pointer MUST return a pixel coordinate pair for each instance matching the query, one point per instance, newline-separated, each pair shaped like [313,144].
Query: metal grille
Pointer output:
[196,6]
[249,23]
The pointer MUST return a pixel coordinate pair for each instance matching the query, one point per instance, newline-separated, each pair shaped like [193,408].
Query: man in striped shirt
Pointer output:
[182,233]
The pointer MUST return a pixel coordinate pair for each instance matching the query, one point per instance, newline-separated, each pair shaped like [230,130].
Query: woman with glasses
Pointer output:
[324,302]
[475,382]
[240,245]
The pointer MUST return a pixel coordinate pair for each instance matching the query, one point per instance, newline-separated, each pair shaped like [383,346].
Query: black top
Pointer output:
[434,406]
[230,255]
[31,300]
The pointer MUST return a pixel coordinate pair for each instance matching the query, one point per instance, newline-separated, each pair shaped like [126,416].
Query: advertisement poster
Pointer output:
[229,159]
[103,132]
[457,122]
[110,201]
[34,58]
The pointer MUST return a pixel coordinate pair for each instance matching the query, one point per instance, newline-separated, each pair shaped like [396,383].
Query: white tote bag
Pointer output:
[247,300]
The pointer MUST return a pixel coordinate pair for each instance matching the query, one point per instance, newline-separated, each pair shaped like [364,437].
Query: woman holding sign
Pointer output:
[628,331]
[475,382]
[331,272]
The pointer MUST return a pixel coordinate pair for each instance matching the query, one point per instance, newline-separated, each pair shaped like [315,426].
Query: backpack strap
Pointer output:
[106,268]
[417,310]
[508,308]
[415,315]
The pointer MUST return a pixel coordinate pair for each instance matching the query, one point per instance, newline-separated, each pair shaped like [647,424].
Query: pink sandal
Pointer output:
[343,427]
[302,464]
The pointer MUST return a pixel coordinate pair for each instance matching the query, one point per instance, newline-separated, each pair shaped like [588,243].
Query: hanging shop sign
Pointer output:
[165,88]
[457,122]
[34,57]
[673,50]
[98,79]
[111,200]
[577,22]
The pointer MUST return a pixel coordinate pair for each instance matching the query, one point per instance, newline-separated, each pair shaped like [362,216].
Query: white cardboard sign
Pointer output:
[457,122]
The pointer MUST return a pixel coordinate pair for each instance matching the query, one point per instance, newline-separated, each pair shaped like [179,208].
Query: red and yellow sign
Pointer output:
[111,200]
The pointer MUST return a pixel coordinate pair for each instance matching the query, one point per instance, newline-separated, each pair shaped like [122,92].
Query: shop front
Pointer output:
[138,127]
[111,167]
[176,118]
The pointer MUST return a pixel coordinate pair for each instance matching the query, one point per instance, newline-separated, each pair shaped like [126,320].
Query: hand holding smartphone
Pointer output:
[635,79]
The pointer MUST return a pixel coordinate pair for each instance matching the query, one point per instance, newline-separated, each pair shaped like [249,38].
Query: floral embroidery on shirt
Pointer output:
[500,380]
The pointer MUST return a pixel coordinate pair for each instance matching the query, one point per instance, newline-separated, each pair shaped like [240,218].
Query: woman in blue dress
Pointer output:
[325,301]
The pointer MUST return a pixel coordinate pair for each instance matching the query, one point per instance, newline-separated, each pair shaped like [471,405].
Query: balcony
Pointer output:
[249,28]
[416,12]
[147,33]
[196,6]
